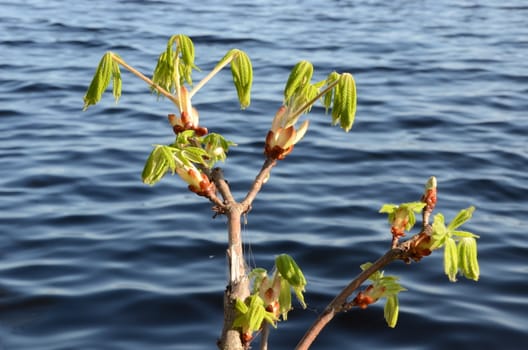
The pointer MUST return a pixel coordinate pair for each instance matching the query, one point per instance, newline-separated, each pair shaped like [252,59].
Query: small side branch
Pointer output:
[340,301]
[413,249]
[260,179]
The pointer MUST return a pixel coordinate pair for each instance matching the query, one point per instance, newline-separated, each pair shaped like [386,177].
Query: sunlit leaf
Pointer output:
[345,100]
[439,234]
[285,299]
[465,234]
[100,81]
[289,269]
[467,255]
[391,310]
[291,272]
[450,259]
[463,216]
[242,71]
[329,97]
[156,166]
[300,76]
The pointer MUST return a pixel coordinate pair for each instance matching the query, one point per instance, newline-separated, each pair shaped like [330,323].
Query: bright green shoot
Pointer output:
[460,247]
[173,70]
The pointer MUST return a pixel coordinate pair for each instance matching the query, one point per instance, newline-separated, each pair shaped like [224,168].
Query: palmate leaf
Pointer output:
[329,97]
[107,70]
[345,100]
[450,259]
[158,163]
[175,64]
[463,216]
[467,257]
[242,71]
[300,76]
[391,310]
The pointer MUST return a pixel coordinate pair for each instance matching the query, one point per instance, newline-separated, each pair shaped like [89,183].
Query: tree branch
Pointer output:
[238,286]
[406,251]
[260,179]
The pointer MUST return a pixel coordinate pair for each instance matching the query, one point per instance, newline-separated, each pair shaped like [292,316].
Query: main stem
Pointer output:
[238,286]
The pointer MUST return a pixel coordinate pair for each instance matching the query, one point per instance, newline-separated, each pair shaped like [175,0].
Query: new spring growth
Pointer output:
[402,217]
[460,247]
[180,160]
[186,157]
[382,287]
[271,296]
[299,96]
[189,117]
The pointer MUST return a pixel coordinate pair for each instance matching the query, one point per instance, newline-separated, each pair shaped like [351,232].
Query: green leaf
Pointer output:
[257,275]
[242,71]
[440,233]
[194,155]
[217,147]
[241,307]
[345,100]
[256,312]
[463,216]
[414,206]
[175,64]
[157,165]
[451,259]
[391,310]
[465,234]
[116,81]
[329,96]
[165,72]
[467,255]
[101,79]
[285,299]
[376,276]
[300,76]
[388,208]
[289,270]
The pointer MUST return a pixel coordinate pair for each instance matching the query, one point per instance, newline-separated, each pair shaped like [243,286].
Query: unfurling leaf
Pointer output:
[251,313]
[450,259]
[116,81]
[300,76]
[175,64]
[391,310]
[292,273]
[216,147]
[467,255]
[289,269]
[158,163]
[345,99]
[463,216]
[329,97]
[107,70]
[242,72]
[285,299]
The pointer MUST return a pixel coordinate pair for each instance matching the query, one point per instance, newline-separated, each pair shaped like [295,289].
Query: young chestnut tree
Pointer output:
[256,299]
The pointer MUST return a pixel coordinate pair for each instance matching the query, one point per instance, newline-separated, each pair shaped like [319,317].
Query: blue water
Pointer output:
[91,258]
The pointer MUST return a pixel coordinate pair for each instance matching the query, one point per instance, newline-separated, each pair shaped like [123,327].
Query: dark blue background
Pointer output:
[91,258]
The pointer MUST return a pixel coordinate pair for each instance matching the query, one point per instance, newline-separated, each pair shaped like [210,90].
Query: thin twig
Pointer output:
[339,303]
[260,179]
[264,335]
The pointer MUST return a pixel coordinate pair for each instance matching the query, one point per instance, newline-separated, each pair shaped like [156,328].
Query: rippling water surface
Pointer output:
[90,258]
